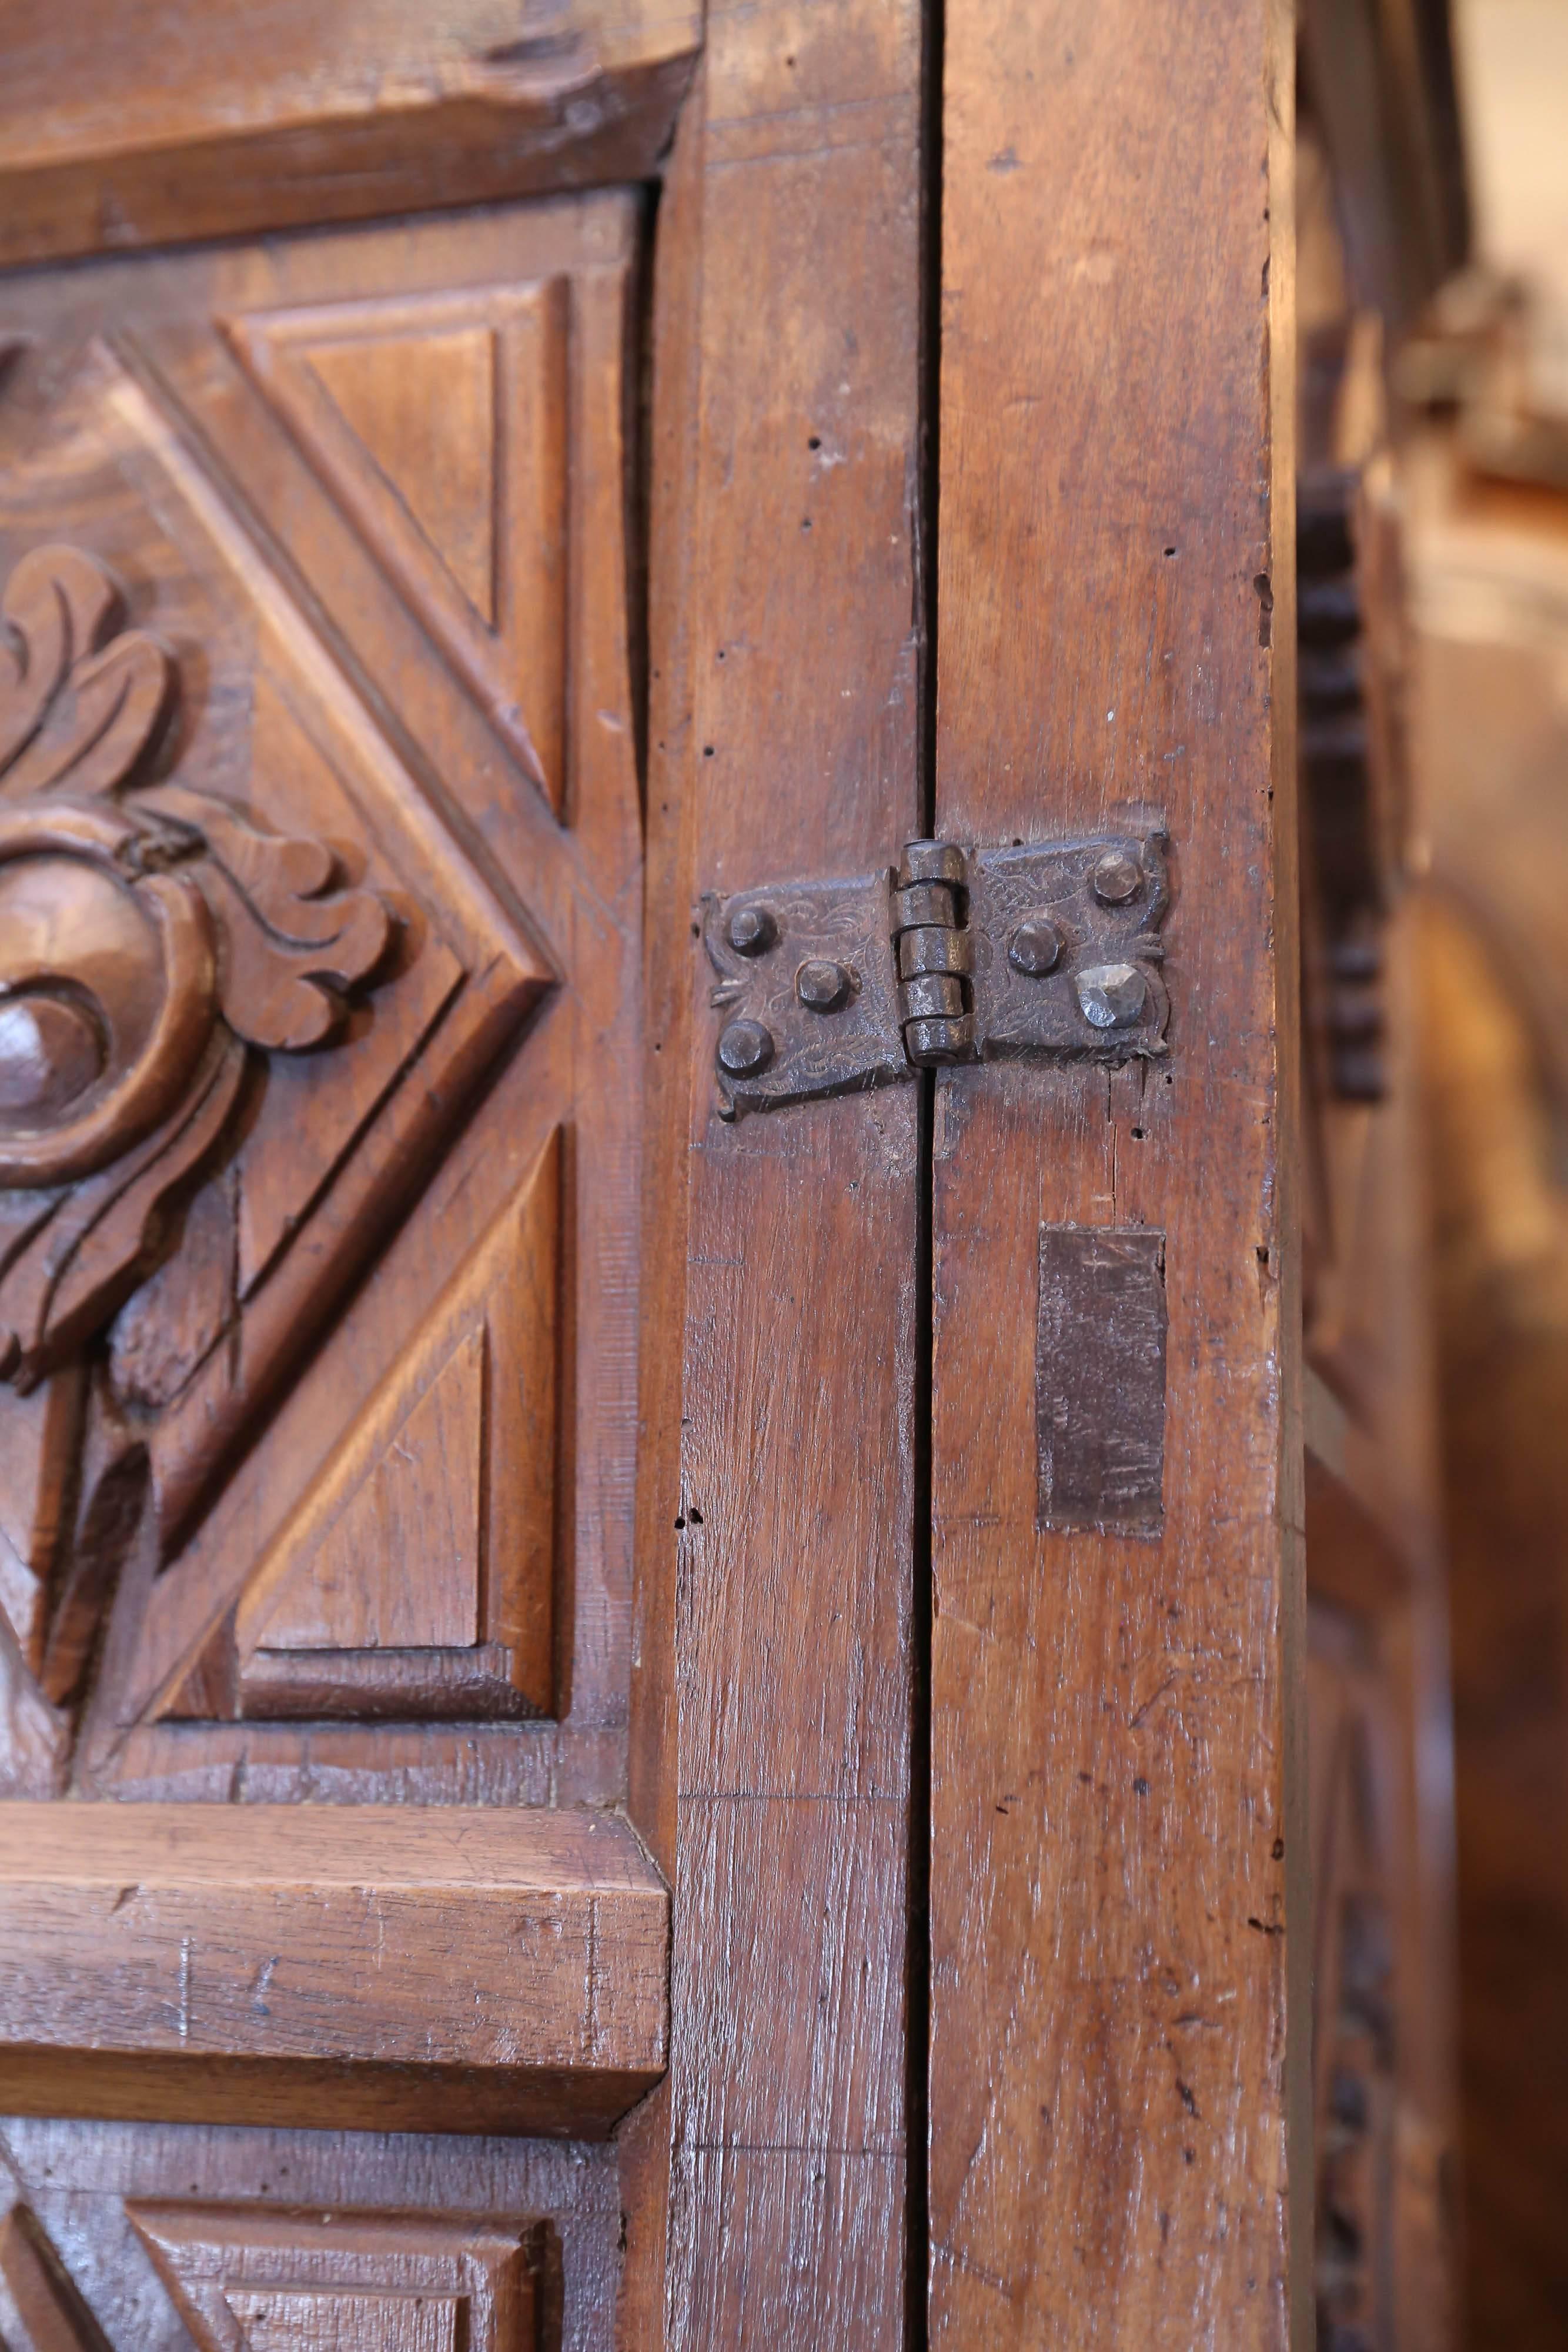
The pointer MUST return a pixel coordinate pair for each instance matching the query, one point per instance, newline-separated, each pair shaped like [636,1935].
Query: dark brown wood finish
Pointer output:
[1118,1853]
[361,1153]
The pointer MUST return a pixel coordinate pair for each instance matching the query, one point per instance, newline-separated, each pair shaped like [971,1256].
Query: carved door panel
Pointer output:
[335,642]
[319,965]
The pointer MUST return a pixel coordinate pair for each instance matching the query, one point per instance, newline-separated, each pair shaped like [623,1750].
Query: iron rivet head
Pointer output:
[745,1047]
[821,985]
[1116,877]
[752,930]
[1111,994]
[1035,947]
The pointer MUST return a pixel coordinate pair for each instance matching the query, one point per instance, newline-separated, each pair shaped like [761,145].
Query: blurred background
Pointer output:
[1433,243]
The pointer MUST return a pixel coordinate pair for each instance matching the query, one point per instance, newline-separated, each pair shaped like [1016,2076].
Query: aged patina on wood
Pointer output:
[1118,1853]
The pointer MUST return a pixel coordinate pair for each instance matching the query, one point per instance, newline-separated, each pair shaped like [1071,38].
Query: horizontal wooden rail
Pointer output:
[173,119]
[376,1966]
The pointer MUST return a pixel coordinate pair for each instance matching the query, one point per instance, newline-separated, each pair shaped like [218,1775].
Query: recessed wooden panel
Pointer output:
[135,2224]
[312,2283]
[442,424]
[416,1576]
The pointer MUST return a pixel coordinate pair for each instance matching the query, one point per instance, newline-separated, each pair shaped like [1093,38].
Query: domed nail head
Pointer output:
[745,1047]
[1035,948]
[1117,877]
[821,985]
[753,930]
[1110,995]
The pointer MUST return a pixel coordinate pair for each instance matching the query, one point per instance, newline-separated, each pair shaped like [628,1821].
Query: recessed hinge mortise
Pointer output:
[1049,952]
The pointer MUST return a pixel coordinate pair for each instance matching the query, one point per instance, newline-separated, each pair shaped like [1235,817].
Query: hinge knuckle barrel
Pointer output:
[933,1045]
[934,951]
[919,904]
[933,995]
[933,958]
[932,861]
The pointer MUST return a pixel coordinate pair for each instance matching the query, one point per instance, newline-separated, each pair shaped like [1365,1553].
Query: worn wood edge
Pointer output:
[111,2087]
[455,147]
[669,885]
[205,1962]
[1297,2068]
[491,1849]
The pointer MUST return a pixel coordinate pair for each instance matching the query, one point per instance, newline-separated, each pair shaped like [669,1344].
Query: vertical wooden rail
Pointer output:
[783,743]
[1119,1932]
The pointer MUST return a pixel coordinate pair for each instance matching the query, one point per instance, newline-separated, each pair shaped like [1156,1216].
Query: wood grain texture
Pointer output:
[455,1969]
[1118,1861]
[160,124]
[675,662]
[788,723]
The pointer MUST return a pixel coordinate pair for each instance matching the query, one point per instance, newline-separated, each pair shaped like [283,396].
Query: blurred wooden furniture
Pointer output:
[1381,222]
[1488,563]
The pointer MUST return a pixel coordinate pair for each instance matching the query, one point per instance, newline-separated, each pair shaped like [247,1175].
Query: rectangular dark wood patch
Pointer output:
[1100,1379]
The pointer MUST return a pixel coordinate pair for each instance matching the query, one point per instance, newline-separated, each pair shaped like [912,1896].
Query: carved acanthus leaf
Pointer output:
[74,710]
[294,945]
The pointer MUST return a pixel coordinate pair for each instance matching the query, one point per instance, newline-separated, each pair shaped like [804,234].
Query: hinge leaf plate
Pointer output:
[1045,951]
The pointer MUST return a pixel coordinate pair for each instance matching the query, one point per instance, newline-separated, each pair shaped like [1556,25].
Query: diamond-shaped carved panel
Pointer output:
[318,1403]
[216,983]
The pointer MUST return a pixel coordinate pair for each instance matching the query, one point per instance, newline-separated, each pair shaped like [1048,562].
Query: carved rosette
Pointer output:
[149,934]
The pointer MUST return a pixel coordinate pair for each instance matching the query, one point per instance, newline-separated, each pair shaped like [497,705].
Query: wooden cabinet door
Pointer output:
[332,1959]
[645,1704]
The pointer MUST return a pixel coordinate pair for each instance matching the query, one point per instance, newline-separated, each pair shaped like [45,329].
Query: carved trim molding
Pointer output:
[144,942]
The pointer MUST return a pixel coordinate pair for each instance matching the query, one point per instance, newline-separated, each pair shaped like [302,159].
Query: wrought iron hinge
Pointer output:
[1046,953]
